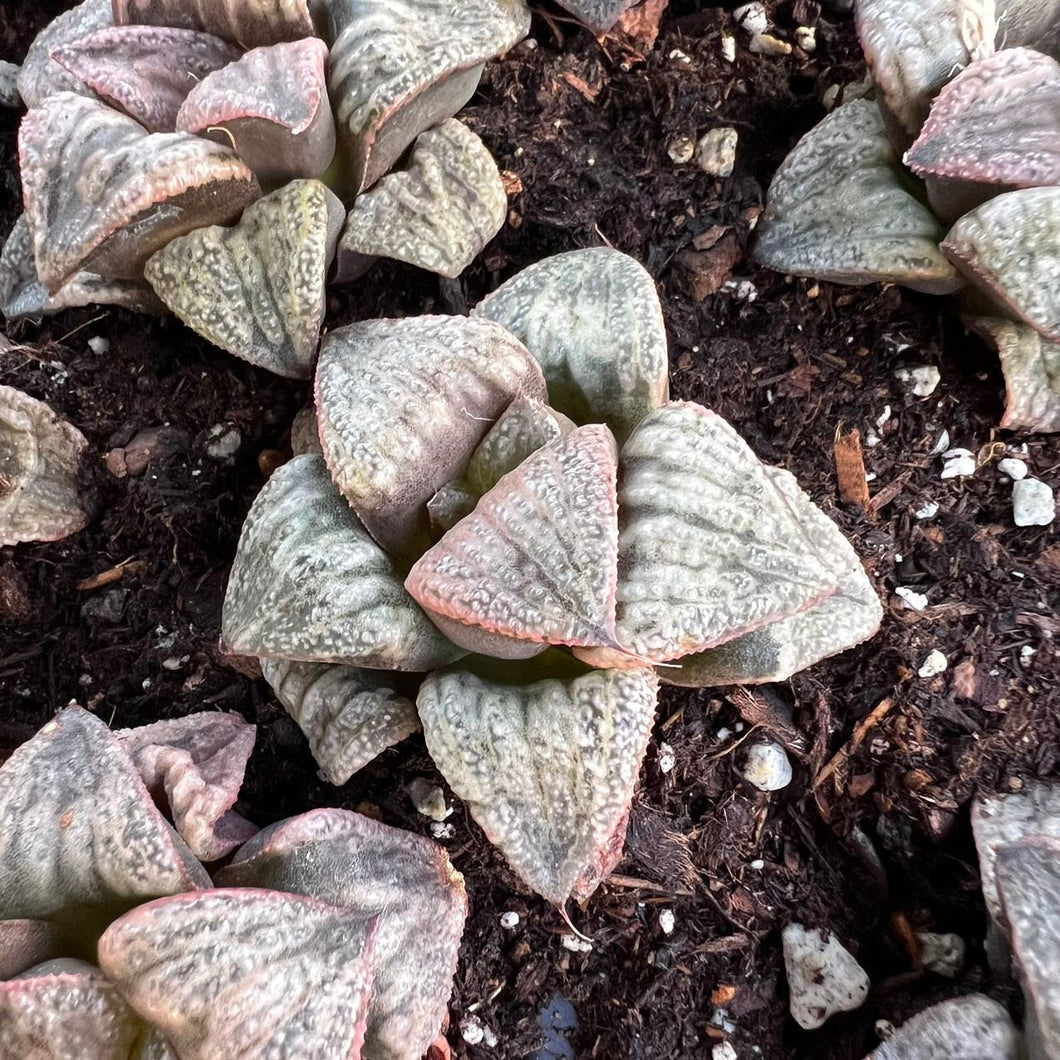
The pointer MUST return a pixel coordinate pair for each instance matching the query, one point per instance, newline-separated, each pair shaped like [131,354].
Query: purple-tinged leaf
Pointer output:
[9,96]
[593,319]
[65,1010]
[548,768]
[1029,23]
[349,716]
[257,289]
[710,548]
[24,943]
[248,23]
[536,562]
[604,861]
[78,828]
[248,973]
[40,459]
[913,47]
[40,75]
[598,15]
[353,861]
[437,212]
[1009,248]
[272,107]
[402,405]
[309,584]
[1031,366]
[134,191]
[453,502]
[779,650]
[838,210]
[975,1027]
[195,765]
[145,71]
[399,67]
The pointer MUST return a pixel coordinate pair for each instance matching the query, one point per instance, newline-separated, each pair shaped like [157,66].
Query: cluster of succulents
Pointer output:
[950,182]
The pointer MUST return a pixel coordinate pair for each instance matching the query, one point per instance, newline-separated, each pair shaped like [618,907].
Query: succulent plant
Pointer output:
[327,935]
[950,184]
[453,522]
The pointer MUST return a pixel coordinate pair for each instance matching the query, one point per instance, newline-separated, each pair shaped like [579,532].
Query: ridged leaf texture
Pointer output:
[1031,366]
[40,75]
[598,15]
[975,1027]
[1029,23]
[248,23]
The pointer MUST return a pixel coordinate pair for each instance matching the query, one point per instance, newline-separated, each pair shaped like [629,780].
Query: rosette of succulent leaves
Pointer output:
[949,182]
[506,511]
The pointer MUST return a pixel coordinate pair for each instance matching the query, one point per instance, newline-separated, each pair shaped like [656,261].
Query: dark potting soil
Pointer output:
[872,836]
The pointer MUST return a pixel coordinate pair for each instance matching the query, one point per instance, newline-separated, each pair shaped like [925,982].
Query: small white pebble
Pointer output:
[442,830]
[575,944]
[920,379]
[716,151]
[471,1030]
[98,345]
[1027,653]
[757,864]
[679,56]
[223,441]
[934,664]
[1015,469]
[872,439]
[884,1030]
[870,476]
[490,1040]
[942,954]
[806,38]
[823,976]
[958,463]
[766,766]
[723,733]
[742,290]
[831,94]
[667,759]
[510,919]
[767,44]
[913,600]
[721,1019]
[667,920]
[941,445]
[927,511]
[1033,503]
[723,1051]
[883,417]
[681,150]
[428,798]
[728,48]
[751,17]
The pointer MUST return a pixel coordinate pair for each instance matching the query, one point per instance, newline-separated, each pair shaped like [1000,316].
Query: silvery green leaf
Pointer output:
[248,23]
[40,75]
[1031,366]
[975,1027]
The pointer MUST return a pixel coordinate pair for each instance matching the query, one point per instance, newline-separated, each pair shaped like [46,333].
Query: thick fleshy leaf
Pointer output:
[598,15]
[79,830]
[975,1027]
[913,47]
[592,318]
[134,192]
[437,212]
[196,765]
[246,973]
[248,23]
[1029,23]
[65,1009]
[1010,248]
[709,547]
[838,210]
[449,505]
[548,768]
[779,650]
[1031,366]
[400,66]
[353,861]
[272,107]
[40,75]
[257,289]
[40,459]
[24,943]
[402,405]
[348,715]
[146,71]
[536,562]
[309,584]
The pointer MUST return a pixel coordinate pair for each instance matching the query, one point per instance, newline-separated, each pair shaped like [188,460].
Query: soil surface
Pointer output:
[871,838]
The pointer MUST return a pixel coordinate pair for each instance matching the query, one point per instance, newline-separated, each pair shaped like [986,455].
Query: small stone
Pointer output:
[223,441]
[927,511]
[958,463]
[934,664]
[98,345]
[1027,652]
[742,290]
[767,44]
[941,445]
[429,799]
[942,954]
[667,921]
[830,97]
[920,379]
[681,150]
[442,830]
[472,1030]
[723,1051]
[575,944]
[728,48]
[667,759]
[1014,468]
[106,608]
[823,976]
[766,766]
[509,920]
[1033,503]
[911,598]
[758,864]
[806,38]
[716,152]
[9,96]
[751,17]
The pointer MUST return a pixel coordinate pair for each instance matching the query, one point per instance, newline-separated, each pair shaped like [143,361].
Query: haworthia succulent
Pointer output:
[838,209]
[547,769]
[438,211]
[975,1027]
[709,548]
[1029,23]
[145,71]
[40,461]
[355,862]
[1031,366]
[246,973]
[135,190]
[24,943]
[272,107]
[248,23]
[257,289]
[536,562]
[593,319]
[598,15]
[348,715]
[309,584]
[402,404]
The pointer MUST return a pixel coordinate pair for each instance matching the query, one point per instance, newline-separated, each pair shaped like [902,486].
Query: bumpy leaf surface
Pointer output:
[272,106]
[248,23]
[598,15]
[536,561]
[709,547]
[348,715]
[24,943]
[40,458]
[246,973]
[1032,375]
[134,192]
[792,644]
[353,861]
[975,1027]
[196,765]
[592,318]
[41,75]
[402,404]
[146,71]
[1010,248]
[1029,23]
[257,289]
[399,67]
[78,827]
[308,583]
[838,210]
[548,768]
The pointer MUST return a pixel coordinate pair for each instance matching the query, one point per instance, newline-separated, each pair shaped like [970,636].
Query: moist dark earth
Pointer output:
[872,837]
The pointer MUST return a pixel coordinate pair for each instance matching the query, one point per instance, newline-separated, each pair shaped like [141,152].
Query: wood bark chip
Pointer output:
[850,468]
